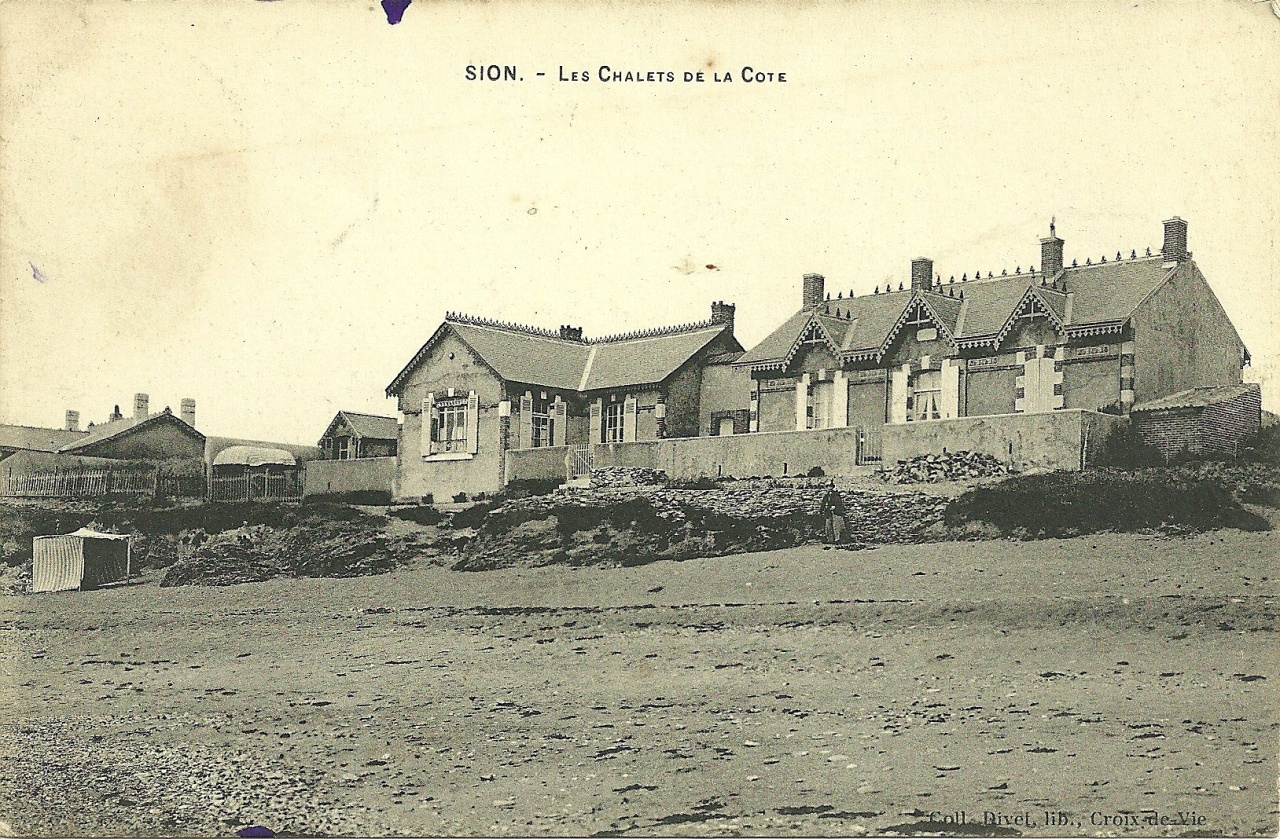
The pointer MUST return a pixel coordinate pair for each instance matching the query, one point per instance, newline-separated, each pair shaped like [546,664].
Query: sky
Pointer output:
[269,207]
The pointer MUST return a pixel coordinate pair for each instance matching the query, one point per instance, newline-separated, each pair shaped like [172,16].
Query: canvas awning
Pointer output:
[253,456]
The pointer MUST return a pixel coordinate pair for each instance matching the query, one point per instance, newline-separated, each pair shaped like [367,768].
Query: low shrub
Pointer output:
[361,497]
[1263,447]
[1062,504]
[474,515]
[425,515]
[529,487]
[1124,448]
[700,482]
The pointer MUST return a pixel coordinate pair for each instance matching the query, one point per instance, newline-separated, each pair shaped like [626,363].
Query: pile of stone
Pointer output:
[948,466]
[627,476]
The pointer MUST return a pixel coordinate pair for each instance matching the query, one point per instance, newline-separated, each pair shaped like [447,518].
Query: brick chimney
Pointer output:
[722,314]
[188,408]
[73,420]
[1051,253]
[921,273]
[1175,240]
[814,286]
[571,333]
[141,403]
[115,414]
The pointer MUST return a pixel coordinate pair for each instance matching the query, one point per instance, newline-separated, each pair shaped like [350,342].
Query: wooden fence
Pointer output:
[91,483]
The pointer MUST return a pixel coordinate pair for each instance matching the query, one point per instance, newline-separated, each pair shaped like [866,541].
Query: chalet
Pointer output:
[1100,336]
[353,435]
[478,388]
[157,437]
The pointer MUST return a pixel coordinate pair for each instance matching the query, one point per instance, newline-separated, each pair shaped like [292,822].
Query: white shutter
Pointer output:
[899,379]
[595,422]
[473,422]
[526,421]
[629,419]
[428,419]
[950,406]
[802,402]
[840,401]
[559,423]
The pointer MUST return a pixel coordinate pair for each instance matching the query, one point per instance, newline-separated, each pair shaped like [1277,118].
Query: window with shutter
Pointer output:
[597,430]
[629,420]
[899,381]
[427,427]
[559,423]
[526,421]
[473,422]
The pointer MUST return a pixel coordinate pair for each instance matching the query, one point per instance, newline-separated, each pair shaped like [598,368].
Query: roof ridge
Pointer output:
[538,331]
[653,332]
[42,428]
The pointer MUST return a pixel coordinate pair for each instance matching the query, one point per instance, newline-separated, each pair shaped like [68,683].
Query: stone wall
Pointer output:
[536,464]
[366,474]
[1051,440]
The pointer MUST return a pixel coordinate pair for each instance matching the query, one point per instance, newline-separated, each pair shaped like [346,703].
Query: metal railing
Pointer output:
[251,487]
[578,462]
[868,451]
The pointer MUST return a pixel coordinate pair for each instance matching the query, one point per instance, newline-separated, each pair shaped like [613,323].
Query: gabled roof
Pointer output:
[368,426]
[1196,397]
[977,311]
[534,356]
[36,439]
[124,427]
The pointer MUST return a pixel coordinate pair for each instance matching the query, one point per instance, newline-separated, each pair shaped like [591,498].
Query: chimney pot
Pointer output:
[141,403]
[73,420]
[1175,240]
[722,313]
[1051,253]
[814,285]
[188,408]
[921,273]
[571,333]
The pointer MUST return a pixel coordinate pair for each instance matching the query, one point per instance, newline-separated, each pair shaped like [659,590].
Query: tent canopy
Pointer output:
[253,456]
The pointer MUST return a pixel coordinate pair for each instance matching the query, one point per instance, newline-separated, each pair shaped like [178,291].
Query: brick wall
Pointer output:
[1214,428]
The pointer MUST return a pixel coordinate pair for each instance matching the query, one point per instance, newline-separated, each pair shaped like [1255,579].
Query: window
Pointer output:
[611,423]
[449,426]
[928,396]
[341,449]
[543,425]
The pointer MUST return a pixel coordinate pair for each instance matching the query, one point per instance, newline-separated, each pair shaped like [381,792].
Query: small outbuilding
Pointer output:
[83,560]
[248,473]
[1201,419]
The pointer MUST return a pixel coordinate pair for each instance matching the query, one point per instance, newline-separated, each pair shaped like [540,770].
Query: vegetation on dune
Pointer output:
[1062,504]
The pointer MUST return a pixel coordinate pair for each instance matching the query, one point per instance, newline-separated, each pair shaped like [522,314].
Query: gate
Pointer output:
[868,447]
[578,462]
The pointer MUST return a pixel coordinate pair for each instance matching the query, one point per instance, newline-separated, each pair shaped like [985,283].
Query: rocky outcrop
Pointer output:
[630,525]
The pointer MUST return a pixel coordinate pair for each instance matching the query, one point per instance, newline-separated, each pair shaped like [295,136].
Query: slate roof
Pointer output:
[540,357]
[369,426]
[1196,397]
[1080,297]
[127,425]
[36,439]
